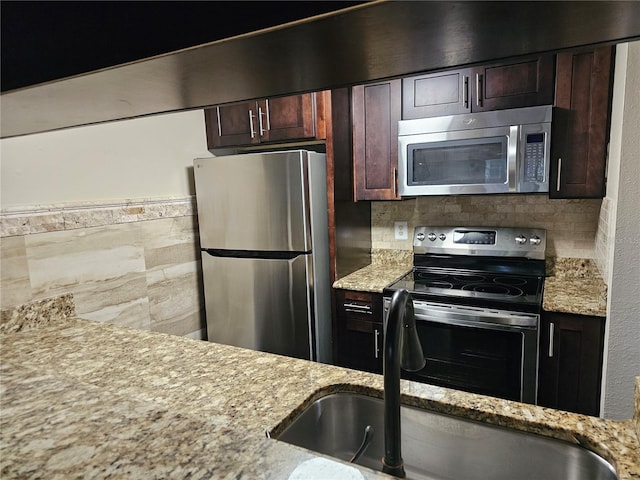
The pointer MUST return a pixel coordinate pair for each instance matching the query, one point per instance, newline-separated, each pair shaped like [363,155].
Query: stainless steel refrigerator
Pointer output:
[265,256]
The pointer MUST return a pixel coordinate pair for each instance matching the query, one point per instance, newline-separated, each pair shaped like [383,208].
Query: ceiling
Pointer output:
[358,44]
[46,41]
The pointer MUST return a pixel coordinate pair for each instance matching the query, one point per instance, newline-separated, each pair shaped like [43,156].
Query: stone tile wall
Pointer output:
[571,224]
[134,264]
[604,236]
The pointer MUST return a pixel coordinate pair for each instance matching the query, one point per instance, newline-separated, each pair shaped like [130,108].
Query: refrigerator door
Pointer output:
[254,202]
[261,304]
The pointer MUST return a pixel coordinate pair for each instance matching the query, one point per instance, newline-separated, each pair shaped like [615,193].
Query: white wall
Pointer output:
[622,341]
[146,157]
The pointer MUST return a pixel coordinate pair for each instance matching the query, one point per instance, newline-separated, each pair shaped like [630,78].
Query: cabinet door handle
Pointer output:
[465,91]
[260,115]
[479,89]
[559,173]
[551,332]
[251,117]
[266,113]
[376,342]
[395,182]
[219,126]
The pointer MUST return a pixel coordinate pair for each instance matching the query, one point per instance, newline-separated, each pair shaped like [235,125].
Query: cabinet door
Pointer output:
[268,120]
[287,118]
[581,124]
[570,367]
[375,114]
[360,330]
[431,95]
[232,125]
[525,83]
[360,345]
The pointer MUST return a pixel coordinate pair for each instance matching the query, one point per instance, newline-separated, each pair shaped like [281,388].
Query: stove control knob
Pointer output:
[442,237]
[420,236]
[521,239]
[432,236]
[535,240]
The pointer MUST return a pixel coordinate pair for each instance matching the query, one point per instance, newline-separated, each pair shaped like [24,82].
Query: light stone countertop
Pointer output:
[386,267]
[573,285]
[82,399]
[372,278]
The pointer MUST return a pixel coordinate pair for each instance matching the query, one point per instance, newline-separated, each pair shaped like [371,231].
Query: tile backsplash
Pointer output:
[137,263]
[571,224]
[131,263]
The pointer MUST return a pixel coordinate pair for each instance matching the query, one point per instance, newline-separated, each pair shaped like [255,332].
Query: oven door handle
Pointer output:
[483,325]
[477,319]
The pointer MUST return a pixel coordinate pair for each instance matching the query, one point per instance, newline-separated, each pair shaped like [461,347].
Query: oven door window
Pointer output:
[475,360]
[479,161]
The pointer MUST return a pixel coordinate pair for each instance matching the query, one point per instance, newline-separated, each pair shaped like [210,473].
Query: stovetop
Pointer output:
[451,268]
[473,288]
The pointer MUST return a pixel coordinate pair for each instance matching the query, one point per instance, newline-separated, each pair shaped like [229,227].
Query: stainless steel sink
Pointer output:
[438,446]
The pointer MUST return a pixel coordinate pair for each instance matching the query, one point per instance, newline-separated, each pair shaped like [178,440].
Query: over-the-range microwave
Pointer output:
[502,151]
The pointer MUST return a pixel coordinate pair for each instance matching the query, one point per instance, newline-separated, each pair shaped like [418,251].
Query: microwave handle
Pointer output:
[512,157]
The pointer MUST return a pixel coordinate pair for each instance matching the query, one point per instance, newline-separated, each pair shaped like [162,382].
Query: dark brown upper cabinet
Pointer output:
[294,117]
[522,83]
[581,122]
[376,110]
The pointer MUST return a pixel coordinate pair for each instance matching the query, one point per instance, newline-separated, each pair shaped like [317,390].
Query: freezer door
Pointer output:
[261,304]
[256,202]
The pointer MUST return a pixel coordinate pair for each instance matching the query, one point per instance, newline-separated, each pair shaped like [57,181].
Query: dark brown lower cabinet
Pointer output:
[360,330]
[570,368]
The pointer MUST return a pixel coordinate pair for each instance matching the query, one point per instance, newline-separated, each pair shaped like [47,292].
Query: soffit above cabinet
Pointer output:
[373,41]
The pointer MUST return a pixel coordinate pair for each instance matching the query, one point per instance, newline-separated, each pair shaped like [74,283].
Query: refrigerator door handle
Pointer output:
[263,254]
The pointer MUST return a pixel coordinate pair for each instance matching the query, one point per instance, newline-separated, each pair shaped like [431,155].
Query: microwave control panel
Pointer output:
[534,158]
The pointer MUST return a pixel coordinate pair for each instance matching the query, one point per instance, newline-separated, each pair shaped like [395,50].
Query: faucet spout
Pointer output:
[401,349]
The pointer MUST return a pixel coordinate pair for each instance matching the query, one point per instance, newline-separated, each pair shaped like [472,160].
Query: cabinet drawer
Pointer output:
[365,306]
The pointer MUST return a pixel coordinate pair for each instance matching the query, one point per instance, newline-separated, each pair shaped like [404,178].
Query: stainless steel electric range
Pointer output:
[477,294]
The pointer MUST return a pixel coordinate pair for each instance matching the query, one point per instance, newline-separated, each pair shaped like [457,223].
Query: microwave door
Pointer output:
[461,162]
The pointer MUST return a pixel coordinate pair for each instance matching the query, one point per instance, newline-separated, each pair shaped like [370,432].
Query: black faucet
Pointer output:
[401,349]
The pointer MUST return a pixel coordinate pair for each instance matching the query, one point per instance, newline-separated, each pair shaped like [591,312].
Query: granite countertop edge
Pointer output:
[83,398]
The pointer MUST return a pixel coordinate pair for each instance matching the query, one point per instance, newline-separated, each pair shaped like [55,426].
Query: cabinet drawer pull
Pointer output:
[551,332]
[357,308]
[251,117]
[559,172]
[376,343]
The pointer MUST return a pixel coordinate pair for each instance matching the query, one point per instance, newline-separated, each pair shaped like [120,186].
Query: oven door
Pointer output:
[469,161]
[477,350]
